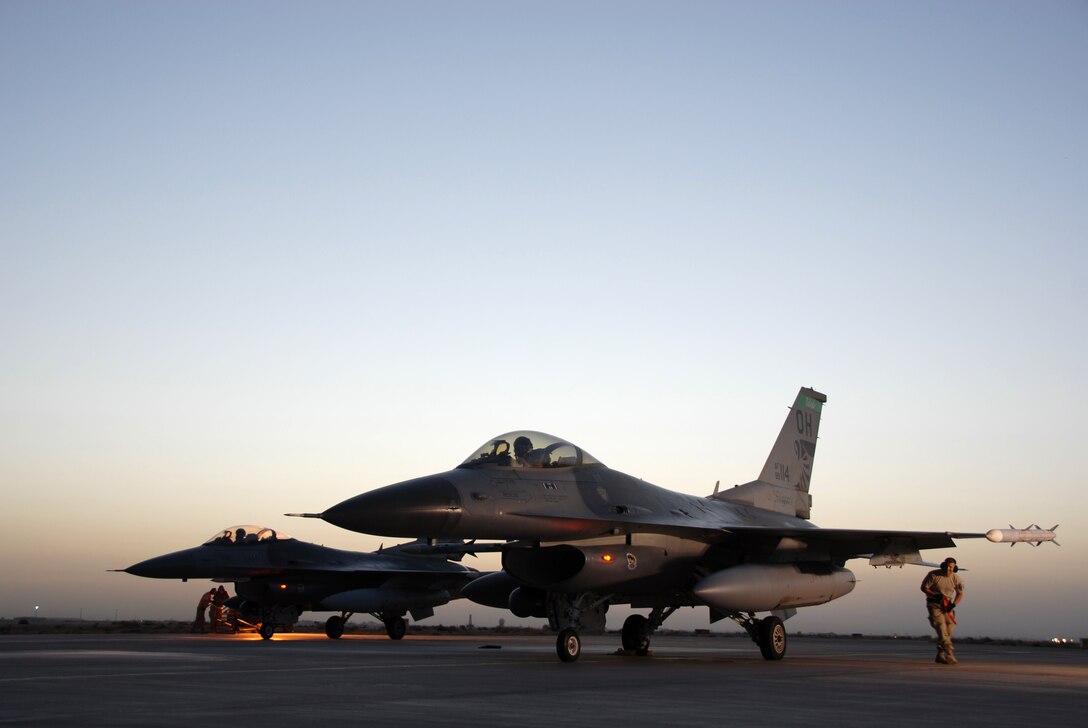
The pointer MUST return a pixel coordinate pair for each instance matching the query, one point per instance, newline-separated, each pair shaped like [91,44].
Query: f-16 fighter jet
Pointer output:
[581,536]
[277,578]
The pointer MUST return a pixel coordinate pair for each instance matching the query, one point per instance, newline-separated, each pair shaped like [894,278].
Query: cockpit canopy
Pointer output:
[528,449]
[245,535]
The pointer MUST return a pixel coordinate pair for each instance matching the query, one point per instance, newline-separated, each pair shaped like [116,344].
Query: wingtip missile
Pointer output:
[1033,534]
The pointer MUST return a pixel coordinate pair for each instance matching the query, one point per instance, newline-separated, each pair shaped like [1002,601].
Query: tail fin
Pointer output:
[783,485]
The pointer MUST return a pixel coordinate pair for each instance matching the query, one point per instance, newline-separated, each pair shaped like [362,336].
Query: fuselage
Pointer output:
[576,525]
[502,502]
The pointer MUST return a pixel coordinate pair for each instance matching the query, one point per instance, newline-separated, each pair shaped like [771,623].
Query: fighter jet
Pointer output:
[581,536]
[277,577]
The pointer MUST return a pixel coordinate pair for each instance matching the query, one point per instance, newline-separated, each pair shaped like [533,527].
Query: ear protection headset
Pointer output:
[952,561]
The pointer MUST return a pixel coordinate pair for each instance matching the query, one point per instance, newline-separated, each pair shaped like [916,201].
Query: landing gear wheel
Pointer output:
[772,638]
[334,627]
[634,636]
[396,628]
[267,630]
[568,645]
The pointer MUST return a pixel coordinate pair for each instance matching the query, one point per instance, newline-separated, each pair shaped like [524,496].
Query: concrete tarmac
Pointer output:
[487,680]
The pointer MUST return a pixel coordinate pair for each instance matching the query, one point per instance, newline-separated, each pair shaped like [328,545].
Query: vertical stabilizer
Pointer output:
[790,462]
[783,485]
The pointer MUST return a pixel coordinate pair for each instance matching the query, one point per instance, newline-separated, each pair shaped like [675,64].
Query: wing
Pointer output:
[771,534]
[882,548]
[311,558]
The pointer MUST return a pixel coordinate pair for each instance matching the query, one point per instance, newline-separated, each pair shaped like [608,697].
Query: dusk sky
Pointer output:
[259,257]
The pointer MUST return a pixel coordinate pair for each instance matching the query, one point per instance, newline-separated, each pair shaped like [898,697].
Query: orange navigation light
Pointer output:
[607,557]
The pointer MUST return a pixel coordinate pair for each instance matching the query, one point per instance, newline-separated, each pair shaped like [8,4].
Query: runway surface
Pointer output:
[299,679]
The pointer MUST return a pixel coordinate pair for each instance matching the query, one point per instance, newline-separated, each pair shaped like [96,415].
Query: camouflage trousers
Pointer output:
[942,624]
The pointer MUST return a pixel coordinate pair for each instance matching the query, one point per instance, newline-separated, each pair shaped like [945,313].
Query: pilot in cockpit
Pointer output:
[525,456]
[522,446]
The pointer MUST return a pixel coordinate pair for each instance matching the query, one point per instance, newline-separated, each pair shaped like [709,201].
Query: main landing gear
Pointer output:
[273,618]
[769,633]
[396,626]
[334,625]
[635,635]
[571,613]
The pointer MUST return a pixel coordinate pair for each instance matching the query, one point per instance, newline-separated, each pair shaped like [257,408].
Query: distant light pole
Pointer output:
[36,608]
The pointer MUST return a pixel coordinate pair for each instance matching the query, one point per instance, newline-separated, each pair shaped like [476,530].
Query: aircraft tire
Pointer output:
[267,630]
[772,638]
[396,628]
[334,627]
[568,645]
[633,635]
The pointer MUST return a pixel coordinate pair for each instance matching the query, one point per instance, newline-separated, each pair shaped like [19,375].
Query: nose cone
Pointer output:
[178,565]
[425,507]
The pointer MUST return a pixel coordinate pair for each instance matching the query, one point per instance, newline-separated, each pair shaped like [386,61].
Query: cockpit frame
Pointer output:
[528,449]
[246,535]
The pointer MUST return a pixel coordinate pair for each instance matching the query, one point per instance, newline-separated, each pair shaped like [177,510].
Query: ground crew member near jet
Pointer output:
[218,597]
[944,590]
[201,608]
